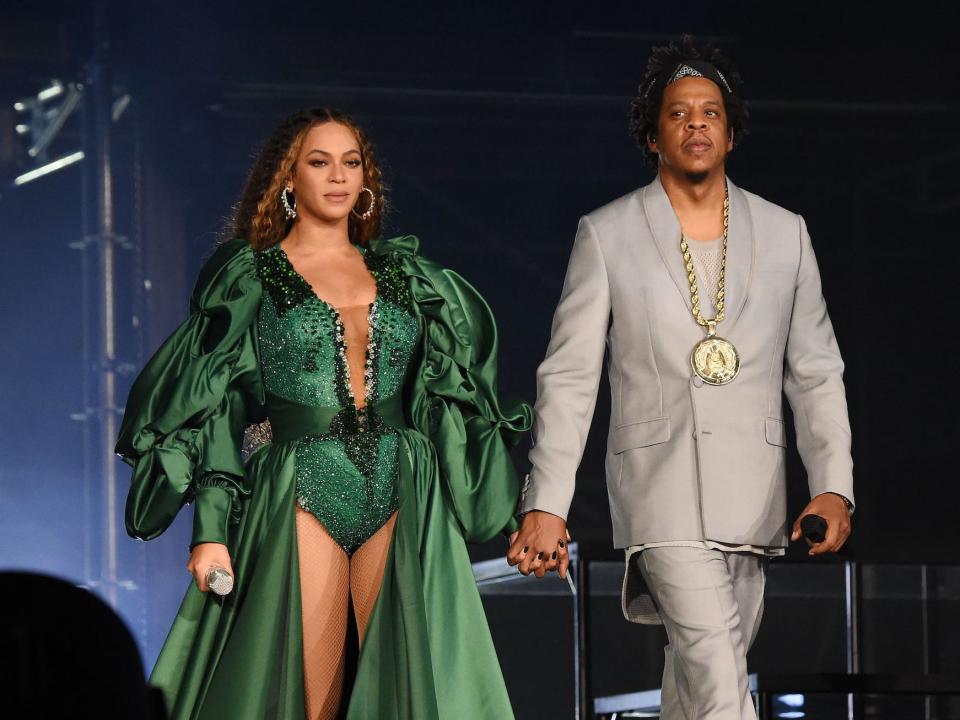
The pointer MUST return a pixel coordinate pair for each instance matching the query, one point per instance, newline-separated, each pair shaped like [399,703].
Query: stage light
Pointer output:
[46,122]
[55,89]
[49,168]
[119,106]
[22,129]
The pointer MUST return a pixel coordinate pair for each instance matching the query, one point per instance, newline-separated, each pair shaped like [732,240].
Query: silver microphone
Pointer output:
[219,580]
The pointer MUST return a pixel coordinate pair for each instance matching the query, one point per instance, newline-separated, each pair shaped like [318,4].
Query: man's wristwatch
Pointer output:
[846,500]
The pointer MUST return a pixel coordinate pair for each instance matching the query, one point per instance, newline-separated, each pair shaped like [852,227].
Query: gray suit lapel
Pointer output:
[665,229]
[740,254]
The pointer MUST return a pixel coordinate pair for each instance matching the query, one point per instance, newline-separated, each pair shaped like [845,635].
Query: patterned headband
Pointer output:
[689,68]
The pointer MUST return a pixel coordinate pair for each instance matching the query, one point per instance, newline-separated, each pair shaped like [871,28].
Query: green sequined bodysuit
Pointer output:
[346,457]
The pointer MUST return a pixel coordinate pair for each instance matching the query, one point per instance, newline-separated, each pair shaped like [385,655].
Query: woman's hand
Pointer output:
[205,556]
[540,545]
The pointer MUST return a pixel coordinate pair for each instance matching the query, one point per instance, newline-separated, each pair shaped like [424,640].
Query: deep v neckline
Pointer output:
[308,286]
[369,377]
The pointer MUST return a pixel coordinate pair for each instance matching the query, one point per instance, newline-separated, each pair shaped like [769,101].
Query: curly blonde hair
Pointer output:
[259,215]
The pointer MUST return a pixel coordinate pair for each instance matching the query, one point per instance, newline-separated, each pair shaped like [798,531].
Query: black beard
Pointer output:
[695,178]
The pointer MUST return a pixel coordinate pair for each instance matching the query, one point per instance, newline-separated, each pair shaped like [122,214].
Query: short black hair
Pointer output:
[645,108]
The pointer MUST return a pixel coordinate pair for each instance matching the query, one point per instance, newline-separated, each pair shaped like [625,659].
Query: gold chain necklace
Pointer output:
[715,360]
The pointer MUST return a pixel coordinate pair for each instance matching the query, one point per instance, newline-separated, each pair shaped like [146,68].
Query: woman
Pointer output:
[376,370]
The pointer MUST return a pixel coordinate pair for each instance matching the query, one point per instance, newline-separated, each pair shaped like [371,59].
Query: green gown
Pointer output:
[440,445]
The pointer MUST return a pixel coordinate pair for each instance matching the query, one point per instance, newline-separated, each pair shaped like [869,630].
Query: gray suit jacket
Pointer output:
[686,460]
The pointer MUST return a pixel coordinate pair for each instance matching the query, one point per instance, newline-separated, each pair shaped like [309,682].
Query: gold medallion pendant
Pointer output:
[715,360]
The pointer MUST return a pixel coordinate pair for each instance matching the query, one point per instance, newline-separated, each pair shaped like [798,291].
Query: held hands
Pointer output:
[206,556]
[540,545]
[832,508]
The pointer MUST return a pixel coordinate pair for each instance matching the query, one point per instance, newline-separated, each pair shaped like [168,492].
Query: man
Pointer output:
[708,301]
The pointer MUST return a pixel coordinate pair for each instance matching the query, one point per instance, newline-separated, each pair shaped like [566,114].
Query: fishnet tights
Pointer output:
[329,578]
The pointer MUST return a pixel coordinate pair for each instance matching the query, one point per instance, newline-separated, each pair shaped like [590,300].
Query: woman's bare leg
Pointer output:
[324,591]
[366,573]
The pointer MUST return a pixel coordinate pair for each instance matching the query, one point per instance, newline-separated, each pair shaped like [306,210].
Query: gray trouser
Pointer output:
[711,603]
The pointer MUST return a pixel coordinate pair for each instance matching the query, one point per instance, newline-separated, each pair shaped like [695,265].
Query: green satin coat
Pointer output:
[428,652]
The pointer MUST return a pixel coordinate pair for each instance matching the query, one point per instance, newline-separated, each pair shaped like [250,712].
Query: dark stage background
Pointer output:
[498,128]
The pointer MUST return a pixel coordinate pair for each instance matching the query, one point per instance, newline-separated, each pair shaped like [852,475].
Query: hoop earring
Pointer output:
[369,211]
[291,210]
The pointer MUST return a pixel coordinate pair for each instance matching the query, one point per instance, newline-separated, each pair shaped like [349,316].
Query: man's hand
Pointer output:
[203,557]
[540,545]
[832,508]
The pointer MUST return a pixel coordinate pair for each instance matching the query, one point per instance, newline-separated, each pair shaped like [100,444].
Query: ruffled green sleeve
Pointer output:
[454,396]
[184,418]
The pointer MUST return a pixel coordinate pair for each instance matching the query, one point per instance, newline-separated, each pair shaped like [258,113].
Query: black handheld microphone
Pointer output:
[814,528]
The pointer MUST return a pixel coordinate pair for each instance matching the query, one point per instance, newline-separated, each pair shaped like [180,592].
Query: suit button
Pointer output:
[697,381]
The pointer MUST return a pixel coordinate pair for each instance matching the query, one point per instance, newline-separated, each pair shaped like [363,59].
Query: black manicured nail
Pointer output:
[562,544]
[554,556]
[525,548]
[539,556]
